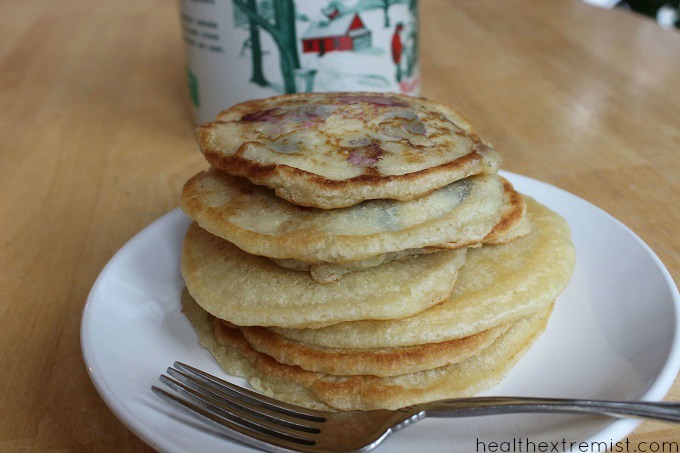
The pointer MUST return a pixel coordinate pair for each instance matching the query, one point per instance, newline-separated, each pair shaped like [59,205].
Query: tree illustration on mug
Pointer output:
[278,19]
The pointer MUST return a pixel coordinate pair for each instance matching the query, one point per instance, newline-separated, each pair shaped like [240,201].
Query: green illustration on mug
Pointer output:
[357,33]
[192,81]
[281,27]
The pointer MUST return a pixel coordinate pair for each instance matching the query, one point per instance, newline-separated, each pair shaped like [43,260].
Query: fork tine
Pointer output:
[235,430]
[232,406]
[252,397]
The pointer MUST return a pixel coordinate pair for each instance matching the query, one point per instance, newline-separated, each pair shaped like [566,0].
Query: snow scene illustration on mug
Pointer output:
[337,45]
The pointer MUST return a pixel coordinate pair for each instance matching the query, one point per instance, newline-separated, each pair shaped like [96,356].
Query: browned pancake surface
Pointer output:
[331,150]
[377,362]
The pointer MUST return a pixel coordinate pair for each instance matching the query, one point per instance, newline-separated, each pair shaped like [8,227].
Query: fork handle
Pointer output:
[466,407]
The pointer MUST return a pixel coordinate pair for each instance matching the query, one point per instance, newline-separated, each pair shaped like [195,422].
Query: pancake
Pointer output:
[325,391]
[497,285]
[518,230]
[333,150]
[260,223]
[513,224]
[376,362]
[251,290]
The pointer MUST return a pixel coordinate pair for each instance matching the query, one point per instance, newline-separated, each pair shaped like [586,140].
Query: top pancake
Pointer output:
[332,150]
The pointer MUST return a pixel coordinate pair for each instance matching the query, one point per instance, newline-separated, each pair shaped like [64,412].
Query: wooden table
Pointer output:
[96,142]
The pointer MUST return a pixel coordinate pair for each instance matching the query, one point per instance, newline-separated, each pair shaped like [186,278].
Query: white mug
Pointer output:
[246,49]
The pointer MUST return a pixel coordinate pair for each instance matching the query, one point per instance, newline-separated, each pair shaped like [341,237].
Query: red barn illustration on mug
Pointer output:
[340,33]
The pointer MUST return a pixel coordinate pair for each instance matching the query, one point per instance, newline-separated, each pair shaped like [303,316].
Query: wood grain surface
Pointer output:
[96,142]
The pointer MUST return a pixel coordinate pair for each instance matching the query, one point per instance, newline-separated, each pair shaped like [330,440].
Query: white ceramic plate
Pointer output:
[613,335]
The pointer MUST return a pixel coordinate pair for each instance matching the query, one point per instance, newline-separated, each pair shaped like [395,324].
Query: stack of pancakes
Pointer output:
[355,251]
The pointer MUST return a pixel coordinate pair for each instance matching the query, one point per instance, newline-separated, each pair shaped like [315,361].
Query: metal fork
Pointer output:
[274,426]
